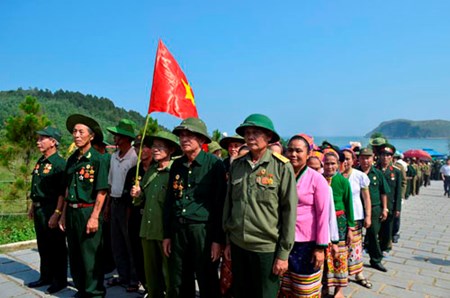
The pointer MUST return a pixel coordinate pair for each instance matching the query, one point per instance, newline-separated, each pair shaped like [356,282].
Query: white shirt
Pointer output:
[445,169]
[118,171]
[358,180]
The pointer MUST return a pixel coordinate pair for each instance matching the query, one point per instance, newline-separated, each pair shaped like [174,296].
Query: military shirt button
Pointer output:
[189,185]
[149,221]
[150,209]
[184,210]
[190,172]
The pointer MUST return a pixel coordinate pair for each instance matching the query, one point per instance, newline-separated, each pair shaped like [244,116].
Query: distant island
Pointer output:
[406,129]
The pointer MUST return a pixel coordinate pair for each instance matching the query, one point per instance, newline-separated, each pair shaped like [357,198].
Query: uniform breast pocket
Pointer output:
[237,188]
[266,192]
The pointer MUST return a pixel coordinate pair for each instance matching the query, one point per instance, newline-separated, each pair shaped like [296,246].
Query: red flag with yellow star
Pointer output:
[171,92]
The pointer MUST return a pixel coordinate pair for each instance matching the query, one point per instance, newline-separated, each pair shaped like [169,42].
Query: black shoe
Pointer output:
[395,238]
[38,283]
[55,288]
[378,266]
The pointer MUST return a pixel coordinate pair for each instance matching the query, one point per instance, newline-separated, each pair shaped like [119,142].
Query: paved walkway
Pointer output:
[419,265]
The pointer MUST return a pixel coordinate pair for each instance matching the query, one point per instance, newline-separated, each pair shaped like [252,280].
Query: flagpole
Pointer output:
[136,181]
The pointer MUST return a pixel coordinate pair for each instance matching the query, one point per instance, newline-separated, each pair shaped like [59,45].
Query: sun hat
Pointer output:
[75,119]
[124,128]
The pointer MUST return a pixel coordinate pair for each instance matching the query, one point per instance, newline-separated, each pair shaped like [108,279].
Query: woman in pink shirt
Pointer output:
[304,275]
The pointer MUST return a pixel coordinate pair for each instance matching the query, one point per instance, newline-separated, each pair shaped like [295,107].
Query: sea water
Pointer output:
[439,145]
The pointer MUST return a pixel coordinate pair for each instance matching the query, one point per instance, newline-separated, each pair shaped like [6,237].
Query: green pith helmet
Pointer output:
[194,125]
[75,119]
[124,128]
[167,137]
[377,141]
[260,121]
[213,147]
[227,140]
[51,132]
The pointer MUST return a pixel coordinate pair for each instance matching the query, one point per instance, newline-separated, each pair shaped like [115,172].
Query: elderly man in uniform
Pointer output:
[193,214]
[445,175]
[47,194]
[378,189]
[260,212]
[118,206]
[87,185]
[394,198]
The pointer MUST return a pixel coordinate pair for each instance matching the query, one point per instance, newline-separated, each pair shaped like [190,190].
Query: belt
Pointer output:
[186,221]
[117,200]
[80,205]
[340,212]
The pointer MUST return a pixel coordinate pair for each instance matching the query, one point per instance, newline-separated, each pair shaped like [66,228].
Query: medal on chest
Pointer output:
[178,186]
[86,173]
[263,177]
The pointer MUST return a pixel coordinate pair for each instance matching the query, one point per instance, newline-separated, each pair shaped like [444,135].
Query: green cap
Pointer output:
[75,119]
[124,128]
[51,132]
[387,148]
[227,140]
[260,121]
[166,137]
[213,147]
[194,125]
[366,152]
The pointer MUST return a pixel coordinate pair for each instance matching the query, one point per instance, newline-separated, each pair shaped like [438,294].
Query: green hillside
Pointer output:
[60,104]
[402,128]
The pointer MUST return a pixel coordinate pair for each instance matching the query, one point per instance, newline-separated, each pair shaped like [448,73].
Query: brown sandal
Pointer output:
[364,282]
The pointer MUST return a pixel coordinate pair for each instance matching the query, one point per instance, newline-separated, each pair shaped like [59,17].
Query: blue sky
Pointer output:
[327,68]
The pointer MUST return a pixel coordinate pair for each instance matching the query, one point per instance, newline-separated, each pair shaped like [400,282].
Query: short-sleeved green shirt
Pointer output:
[261,205]
[85,176]
[378,186]
[196,192]
[154,185]
[394,180]
[47,179]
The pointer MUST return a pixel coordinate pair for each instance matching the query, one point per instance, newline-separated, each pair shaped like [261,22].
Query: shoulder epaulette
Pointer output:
[280,157]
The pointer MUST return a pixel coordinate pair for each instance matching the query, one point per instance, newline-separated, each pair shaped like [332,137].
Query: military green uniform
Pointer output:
[85,177]
[154,187]
[192,220]
[259,219]
[394,203]
[378,186]
[46,186]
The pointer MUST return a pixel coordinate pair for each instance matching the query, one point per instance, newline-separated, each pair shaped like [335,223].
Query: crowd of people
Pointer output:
[168,212]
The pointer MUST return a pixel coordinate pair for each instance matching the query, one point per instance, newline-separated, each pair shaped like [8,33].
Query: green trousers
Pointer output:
[156,268]
[191,254]
[385,234]
[371,240]
[51,246]
[252,274]
[85,253]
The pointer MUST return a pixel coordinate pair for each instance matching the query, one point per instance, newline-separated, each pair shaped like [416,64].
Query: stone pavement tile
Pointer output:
[429,290]
[422,264]
[401,267]
[442,250]
[29,258]
[13,267]
[395,259]
[23,252]
[435,274]
[398,281]
[445,270]
[415,277]
[25,277]
[392,291]
[443,283]
[3,279]
[11,289]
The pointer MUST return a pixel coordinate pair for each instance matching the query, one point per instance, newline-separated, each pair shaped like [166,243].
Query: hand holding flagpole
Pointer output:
[171,92]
